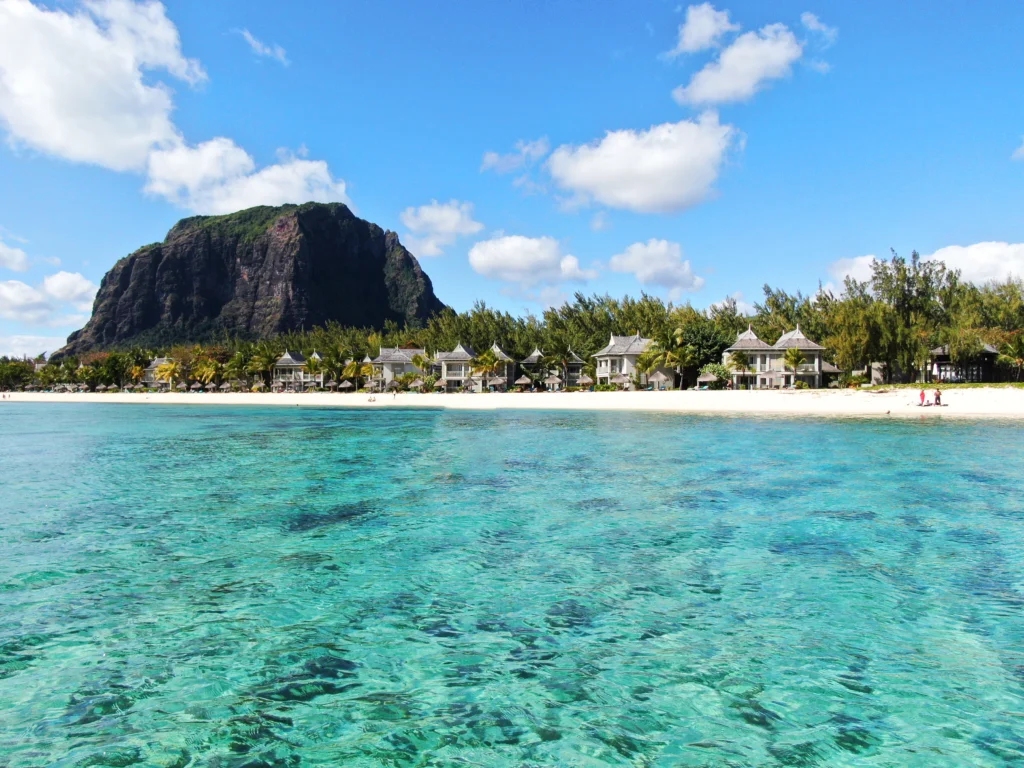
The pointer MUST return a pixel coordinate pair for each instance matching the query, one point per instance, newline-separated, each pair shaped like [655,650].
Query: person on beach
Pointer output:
[938,397]
[922,396]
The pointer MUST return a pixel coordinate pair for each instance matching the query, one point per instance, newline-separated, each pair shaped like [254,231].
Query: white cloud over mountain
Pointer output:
[79,85]
[659,263]
[665,169]
[526,262]
[435,226]
[744,67]
[702,29]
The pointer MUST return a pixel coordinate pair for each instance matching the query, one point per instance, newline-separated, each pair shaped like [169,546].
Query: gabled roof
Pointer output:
[290,358]
[574,358]
[986,349]
[156,362]
[398,355]
[796,339]
[461,353]
[500,354]
[748,340]
[624,345]
[533,358]
[315,356]
[827,367]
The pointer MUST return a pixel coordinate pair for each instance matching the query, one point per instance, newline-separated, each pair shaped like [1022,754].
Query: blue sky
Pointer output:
[523,150]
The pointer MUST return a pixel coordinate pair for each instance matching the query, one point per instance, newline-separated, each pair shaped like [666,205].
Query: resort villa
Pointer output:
[149,378]
[290,372]
[456,367]
[980,369]
[766,367]
[393,362]
[616,363]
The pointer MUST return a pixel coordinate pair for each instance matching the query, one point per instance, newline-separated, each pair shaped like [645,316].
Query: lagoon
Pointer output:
[252,587]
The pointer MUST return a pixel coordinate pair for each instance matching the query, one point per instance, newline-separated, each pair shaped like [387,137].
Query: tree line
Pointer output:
[906,308]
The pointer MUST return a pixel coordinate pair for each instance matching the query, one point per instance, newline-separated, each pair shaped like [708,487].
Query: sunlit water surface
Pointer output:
[293,587]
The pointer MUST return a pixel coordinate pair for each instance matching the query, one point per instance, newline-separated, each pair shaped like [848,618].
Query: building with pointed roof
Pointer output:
[980,369]
[290,372]
[393,362]
[456,366]
[149,378]
[766,367]
[619,358]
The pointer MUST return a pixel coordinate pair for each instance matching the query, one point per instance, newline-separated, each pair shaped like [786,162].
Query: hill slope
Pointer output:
[257,273]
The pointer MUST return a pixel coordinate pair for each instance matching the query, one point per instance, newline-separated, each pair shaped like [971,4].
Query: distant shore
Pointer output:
[1001,403]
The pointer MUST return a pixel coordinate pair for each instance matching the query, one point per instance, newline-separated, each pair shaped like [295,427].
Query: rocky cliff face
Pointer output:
[257,273]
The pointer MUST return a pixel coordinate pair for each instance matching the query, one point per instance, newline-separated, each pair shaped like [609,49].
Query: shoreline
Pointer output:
[994,403]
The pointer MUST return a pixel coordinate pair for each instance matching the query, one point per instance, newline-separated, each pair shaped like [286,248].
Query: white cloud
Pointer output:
[23,303]
[526,261]
[41,305]
[1019,152]
[78,86]
[29,346]
[665,169]
[273,51]
[858,267]
[13,258]
[983,262]
[218,176]
[526,153]
[812,23]
[599,223]
[702,29]
[741,70]
[71,287]
[742,306]
[72,84]
[437,225]
[658,262]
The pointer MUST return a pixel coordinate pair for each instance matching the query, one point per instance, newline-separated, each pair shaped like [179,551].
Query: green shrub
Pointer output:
[801,385]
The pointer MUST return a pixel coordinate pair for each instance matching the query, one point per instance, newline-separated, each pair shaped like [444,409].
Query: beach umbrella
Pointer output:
[440,384]
[707,378]
[129,387]
[524,381]
[495,381]
[620,378]
[585,380]
[346,384]
[658,377]
[182,387]
[225,387]
[416,384]
[332,384]
[552,381]
[196,386]
[258,386]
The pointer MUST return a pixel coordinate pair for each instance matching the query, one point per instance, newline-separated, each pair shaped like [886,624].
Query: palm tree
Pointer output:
[208,370]
[1013,354]
[668,353]
[236,368]
[136,373]
[262,361]
[357,369]
[486,364]
[793,359]
[168,372]
[424,362]
[738,362]
[315,367]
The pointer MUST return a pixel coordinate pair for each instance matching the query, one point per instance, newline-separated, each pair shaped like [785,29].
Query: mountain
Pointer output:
[257,273]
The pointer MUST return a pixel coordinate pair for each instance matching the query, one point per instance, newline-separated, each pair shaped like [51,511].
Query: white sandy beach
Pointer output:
[1003,403]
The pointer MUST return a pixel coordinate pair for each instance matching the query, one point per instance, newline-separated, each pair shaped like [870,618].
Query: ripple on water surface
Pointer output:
[292,587]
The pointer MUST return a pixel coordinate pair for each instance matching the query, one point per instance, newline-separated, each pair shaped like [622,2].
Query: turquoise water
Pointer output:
[291,587]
